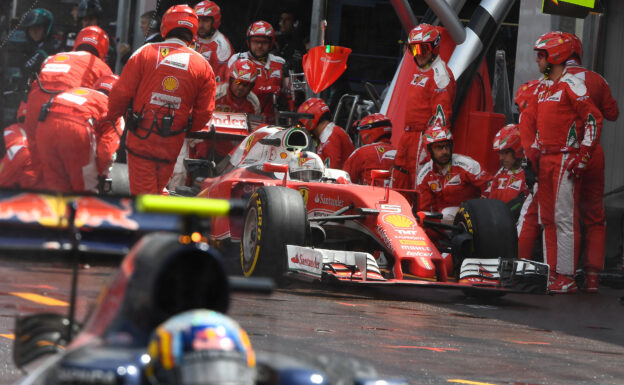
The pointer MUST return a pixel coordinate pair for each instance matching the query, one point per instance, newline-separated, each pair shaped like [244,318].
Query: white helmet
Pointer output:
[307,167]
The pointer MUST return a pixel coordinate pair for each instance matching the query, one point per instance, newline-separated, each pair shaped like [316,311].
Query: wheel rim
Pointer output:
[250,238]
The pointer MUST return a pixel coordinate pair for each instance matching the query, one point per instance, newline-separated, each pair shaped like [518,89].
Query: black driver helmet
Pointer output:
[39,16]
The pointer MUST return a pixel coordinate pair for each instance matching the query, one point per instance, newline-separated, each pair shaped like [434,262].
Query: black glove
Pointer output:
[530,175]
[33,64]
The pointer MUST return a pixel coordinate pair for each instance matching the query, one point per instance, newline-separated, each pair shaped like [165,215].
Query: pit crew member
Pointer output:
[209,41]
[170,89]
[40,41]
[234,96]
[592,181]
[65,70]
[79,158]
[334,145]
[15,166]
[430,98]
[376,152]
[269,67]
[508,184]
[448,179]
[567,126]
[528,226]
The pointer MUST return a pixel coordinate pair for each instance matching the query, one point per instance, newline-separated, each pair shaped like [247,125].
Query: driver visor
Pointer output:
[420,49]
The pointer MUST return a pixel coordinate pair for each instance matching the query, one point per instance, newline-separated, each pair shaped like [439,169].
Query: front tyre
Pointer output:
[494,235]
[492,227]
[275,217]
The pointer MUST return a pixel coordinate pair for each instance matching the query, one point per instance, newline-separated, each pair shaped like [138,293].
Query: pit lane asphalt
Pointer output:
[428,336]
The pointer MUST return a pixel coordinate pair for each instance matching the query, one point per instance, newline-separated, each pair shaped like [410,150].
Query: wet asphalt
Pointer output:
[427,336]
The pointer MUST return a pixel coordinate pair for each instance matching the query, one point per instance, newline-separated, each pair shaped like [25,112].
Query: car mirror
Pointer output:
[379,174]
[271,167]
[422,215]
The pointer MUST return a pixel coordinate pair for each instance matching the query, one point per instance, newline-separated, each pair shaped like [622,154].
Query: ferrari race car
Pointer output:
[319,226]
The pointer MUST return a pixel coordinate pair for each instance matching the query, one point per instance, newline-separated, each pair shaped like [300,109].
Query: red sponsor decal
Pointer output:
[94,212]
[28,208]
[306,261]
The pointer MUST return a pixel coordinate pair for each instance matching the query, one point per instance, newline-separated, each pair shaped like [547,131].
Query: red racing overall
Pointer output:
[166,79]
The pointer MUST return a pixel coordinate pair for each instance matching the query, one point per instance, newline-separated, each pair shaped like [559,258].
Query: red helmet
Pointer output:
[179,16]
[508,138]
[577,45]
[314,106]
[261,29]
[106,83]
[425,34]
[525,93]
[436,133]
[209,9]
[243,70]
[373,127]
[558,48]
[95,37]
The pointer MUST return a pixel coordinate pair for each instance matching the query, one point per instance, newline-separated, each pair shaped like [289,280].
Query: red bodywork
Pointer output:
[391,228]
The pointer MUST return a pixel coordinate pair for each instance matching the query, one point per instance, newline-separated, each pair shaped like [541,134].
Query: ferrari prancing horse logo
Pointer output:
[305,193]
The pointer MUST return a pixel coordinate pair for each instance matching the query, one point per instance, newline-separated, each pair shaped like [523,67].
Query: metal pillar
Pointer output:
[405,14]
[480,33]
[448,18]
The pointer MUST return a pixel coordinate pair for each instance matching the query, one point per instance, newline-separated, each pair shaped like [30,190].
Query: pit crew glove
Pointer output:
[530,173]
[34,63]
[578,164]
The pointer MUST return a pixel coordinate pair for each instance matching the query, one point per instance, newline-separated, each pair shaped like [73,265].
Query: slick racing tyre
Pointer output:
[492,227]
[494,235]
[120,184]
[275,217]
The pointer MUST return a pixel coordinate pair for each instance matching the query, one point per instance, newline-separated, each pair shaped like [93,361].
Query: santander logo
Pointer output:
[306,261]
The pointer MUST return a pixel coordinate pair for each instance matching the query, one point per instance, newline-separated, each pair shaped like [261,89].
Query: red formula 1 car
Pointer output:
[309,222]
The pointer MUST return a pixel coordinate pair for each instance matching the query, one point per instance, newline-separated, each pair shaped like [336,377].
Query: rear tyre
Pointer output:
[275,217]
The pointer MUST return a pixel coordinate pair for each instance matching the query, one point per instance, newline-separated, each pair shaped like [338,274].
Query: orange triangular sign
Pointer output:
[323,65]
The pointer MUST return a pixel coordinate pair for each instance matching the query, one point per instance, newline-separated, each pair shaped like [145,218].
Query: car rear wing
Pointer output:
[109,225]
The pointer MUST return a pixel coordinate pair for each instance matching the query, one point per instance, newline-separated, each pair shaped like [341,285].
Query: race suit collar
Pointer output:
[176,40]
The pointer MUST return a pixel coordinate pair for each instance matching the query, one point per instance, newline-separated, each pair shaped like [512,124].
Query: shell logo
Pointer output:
[399,220]
[80,91]
[170,83]
[61,58]
[283,155]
